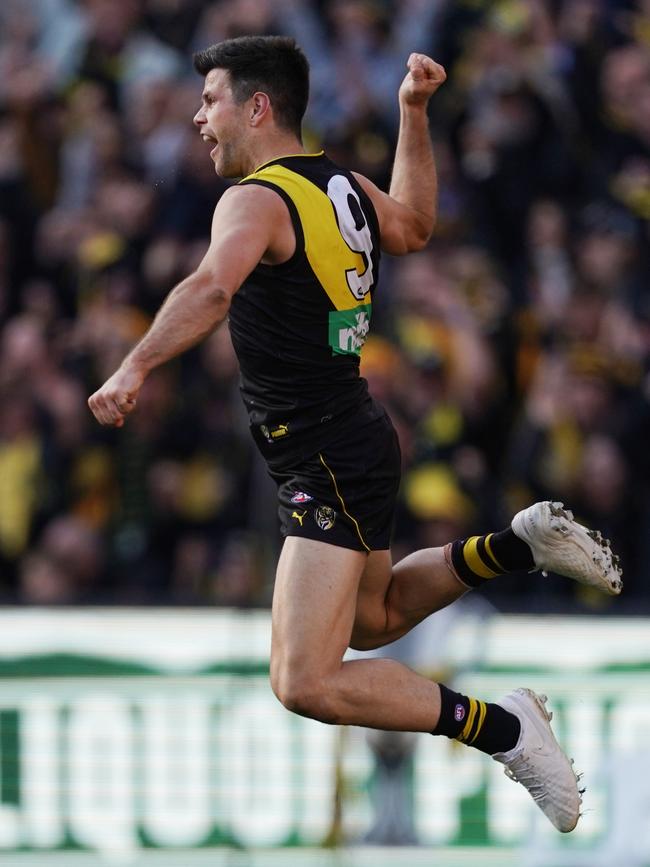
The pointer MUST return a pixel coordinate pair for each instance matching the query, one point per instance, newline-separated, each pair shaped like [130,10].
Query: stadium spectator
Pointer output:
[513,354]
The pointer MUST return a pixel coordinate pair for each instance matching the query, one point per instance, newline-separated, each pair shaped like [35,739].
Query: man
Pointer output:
[293,262]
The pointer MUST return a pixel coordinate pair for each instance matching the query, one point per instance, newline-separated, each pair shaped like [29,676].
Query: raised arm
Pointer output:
[407,213]
[198,304]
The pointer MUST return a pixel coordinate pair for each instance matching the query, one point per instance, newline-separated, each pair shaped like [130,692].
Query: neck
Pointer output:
[271,149]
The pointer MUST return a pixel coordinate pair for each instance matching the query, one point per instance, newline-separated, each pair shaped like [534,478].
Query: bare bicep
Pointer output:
[243,231]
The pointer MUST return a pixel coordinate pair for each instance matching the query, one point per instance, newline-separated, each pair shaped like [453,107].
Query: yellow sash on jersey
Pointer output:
[327,252]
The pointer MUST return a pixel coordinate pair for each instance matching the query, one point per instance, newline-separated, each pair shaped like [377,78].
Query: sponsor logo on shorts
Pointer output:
[282,430]
[459,713]
[301,497]
[276,433]
[299,516]
[325,517]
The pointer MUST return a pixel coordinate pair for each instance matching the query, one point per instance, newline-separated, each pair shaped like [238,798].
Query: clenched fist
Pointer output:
[117,397]
[422,80]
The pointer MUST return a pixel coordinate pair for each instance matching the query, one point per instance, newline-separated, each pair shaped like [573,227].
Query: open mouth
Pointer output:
[211,140]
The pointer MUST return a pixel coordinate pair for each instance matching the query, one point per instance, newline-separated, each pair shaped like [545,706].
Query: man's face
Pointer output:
[220,121]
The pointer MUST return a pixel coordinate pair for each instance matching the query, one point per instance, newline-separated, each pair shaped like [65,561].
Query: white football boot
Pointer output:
[538,763]
[559,544]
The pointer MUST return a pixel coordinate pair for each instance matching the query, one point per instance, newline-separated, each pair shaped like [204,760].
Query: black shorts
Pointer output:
[345,493]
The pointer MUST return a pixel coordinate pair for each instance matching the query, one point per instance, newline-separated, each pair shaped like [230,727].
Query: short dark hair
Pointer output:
[275,65]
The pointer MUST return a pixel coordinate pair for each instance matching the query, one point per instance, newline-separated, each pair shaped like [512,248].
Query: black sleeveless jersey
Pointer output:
[298,327]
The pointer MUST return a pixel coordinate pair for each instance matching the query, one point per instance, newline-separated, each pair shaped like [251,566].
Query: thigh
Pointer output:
[313,605]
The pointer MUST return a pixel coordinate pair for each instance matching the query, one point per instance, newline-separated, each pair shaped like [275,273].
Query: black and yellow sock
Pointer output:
[480,558]
[486,726]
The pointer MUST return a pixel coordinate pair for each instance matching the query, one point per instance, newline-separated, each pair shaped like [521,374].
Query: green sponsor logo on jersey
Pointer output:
[348,329]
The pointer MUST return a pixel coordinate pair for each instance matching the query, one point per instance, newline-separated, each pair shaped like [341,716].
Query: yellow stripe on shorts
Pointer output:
[345,511]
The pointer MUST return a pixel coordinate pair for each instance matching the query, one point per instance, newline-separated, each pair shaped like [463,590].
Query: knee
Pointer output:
[304,693]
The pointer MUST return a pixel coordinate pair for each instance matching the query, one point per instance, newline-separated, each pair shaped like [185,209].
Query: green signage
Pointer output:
[120,748]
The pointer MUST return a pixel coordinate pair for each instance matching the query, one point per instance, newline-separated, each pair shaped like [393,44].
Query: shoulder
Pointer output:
[377,197]
[251,199]
[366,184]
[254,217]
[256,191]
[400,226]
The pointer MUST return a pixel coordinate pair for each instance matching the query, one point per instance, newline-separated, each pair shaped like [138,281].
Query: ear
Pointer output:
[260,108]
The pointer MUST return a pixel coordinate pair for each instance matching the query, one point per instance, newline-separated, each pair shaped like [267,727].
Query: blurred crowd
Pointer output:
[512,353]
